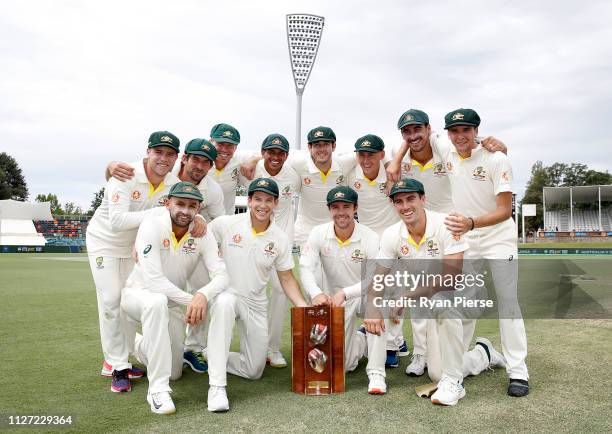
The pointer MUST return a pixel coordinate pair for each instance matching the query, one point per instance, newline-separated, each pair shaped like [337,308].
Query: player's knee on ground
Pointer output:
[254,370]
[434,371]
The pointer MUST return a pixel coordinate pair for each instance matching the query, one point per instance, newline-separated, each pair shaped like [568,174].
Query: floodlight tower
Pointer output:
[303,36]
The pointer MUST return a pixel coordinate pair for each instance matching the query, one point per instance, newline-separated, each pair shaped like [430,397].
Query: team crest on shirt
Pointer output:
[307,181]
[136,195]
[449,167]
[357,255]
[189,246]
[404,250]
[456,237]
[286,192]
[340,180]
[99,262]
[382,188]
[163,200]
[237,238]
[505,176]
[269,249]
[166,243]
[357,185]
[438,170]
[406,168]
[479,174]
[115,197]
[235,173]
[432,248]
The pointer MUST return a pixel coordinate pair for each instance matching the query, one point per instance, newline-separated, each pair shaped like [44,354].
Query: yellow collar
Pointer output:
[175,242]
[257,234]
[324,175]
[153,190]
[422,167]
[343,243]
[414,243]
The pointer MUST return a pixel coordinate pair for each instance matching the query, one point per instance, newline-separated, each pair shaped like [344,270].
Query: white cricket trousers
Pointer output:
[160,347]
[497,247]
[115,331]
[250,361]
[277,309]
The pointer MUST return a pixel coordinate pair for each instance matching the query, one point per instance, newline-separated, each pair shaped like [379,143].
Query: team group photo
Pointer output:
[409,247]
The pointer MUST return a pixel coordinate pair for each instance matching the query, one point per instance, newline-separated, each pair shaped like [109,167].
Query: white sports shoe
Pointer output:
[161,403]
[217,399]
[276,359]
[496,359]
[417,365]
[449,392]
[377,385]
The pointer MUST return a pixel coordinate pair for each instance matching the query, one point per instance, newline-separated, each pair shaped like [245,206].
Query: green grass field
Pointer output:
[51,352]
[600,245]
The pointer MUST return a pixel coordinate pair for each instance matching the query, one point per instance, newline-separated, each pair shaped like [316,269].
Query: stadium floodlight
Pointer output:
[303,38]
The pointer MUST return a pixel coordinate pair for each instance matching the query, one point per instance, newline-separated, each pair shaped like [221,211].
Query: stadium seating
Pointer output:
[62,231]
[584,220]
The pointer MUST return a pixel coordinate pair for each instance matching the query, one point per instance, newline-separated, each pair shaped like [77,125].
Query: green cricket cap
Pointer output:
[342,194]
[412,117]
[201,147]
[225,133]
[164,138]
[407,185]
[461,117]
[369,143]
[266,185]
[275,141]
[185,190]
[321,134]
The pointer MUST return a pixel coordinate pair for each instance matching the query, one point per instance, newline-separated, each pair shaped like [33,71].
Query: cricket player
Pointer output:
[275,150]
[253,247]
[420,162]
[154,292]
[481,184]
[369,180]
[341,247]
[110,238]
[421,235]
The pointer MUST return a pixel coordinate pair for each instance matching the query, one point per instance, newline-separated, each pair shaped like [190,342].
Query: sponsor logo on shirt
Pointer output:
[135,195]
[99,262]
[287,191]
[357,255]
[147,249]
[307,181]
[404,250]
[235,173]
[166,243]
[340,180]
[163,200]
[432,248]
[189,246]
[456,237]
[357,185]
[479,174]
[449,167]
[115,197]
[236,239]
[382,188]
[438,170]
[269,249]
[406,168]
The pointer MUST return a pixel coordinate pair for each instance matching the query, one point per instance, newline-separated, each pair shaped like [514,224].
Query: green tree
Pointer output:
[12,182]
[56,207]
[96,202]
[540,177]
[71,209]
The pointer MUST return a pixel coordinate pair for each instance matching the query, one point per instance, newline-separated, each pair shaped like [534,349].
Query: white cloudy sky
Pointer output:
[84,82]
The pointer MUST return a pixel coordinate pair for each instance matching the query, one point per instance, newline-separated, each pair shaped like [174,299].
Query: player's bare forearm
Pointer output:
[291,288]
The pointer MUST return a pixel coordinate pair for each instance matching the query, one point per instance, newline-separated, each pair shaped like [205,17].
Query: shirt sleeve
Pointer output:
[219,279]
[453,244]
[217,226]
[371,250]
[388,247]
[440,145]
[120,216]
[297,159]
[216,207]
[148,242]
[347,161]
[310,264]
[284,260]
[501,173]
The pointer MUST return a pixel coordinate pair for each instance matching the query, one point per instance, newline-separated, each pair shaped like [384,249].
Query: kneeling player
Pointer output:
[422,234]
[253,246]
[154,292]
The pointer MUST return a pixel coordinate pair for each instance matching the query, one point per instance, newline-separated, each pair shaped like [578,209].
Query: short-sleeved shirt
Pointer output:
[288,184]
[251,257]
[341,261]
[165,264]
[375,210]
[212,204]
[432,175]
[112,230]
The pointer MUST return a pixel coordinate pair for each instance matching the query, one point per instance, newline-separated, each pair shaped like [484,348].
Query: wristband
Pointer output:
[472,220]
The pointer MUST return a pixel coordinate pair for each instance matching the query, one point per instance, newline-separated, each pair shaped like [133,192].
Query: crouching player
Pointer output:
[253,247]
[341,247]
[154,291]
[421,234]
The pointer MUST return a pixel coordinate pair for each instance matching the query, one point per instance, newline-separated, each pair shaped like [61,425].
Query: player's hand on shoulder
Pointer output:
[248,168]
[321,300]
[196,311]
[198,227]
[120,170]
[457,223]
[493,144]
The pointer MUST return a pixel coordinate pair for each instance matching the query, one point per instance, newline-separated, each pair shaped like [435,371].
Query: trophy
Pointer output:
[317,350]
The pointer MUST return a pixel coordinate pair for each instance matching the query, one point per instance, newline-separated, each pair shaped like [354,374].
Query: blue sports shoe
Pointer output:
[121,381]
[196,361]
[403,350]
[392,359]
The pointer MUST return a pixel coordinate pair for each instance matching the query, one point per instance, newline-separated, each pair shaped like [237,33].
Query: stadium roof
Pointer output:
[580,194]
[16,210]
